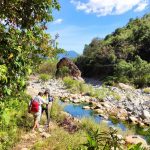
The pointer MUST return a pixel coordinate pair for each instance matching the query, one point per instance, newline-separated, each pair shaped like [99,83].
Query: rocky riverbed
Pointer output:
[133,104]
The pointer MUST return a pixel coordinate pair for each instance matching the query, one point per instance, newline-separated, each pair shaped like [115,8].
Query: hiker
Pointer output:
[47,107]
[35,109]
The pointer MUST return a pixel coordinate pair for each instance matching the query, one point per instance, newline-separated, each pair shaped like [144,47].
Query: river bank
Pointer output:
[125,103]
[128,108]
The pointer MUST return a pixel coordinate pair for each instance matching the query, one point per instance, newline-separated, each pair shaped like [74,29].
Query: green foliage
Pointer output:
[61,140]
[22,39]
[119,50]
[137,72]
[71,84]
[56,111]
[13,119]
[84,88]
[63,72]
[136,147]
[144,132]
[100,93]
[44,77]
[146,90]
[48,67]
[92,140]
[3,71]
[25,14]
[79,87]
[88,124]
[103,140]
[76,86]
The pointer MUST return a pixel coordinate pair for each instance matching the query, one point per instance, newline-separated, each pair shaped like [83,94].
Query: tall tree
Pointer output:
[22,39]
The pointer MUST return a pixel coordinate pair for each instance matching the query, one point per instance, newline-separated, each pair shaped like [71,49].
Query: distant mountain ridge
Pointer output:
[69,54]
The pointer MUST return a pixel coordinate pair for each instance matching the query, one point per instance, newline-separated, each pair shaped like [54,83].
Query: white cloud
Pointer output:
[58,21]
[110,7]
[141,7]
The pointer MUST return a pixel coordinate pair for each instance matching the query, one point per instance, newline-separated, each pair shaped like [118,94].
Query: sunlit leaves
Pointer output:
[22,40]
[26,13]
[3,71]
[118,50]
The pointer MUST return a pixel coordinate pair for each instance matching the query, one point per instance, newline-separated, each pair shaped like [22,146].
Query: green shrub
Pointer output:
[99,93]
[48,67]
[44,77]
[63,72]
[142,81]
[103,140]
[56,111]
[83,88]
[146,90]
[13,119]
[137,147]
[68,81]
[72,84]
[80,87]
[137,72]
[110,80]
[116,96]
[89,124]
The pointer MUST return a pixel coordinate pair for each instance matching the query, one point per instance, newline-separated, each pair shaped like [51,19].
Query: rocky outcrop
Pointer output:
[135,139]
[73,69]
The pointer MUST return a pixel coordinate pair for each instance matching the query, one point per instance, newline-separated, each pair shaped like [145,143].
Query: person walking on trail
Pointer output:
[35,108]
[47,107]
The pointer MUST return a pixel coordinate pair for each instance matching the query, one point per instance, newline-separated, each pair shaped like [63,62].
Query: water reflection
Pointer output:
[77,111]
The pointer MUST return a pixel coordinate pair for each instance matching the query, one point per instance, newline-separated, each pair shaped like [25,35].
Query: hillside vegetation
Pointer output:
[22,39]
[121,56]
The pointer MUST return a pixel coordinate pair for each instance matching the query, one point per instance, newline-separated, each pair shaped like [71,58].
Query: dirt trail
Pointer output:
[30,138]
[27,141]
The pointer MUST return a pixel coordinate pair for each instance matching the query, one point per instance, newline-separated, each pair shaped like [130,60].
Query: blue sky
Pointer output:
[79,21]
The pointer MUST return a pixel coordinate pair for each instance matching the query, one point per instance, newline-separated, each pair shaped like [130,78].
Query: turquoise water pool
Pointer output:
[78,112]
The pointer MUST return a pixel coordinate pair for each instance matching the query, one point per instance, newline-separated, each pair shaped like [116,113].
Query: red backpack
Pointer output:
[34,107]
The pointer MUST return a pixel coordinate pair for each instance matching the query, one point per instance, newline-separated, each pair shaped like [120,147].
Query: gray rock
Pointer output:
[146,115]
[76,101]
[86,107]
[133,119]
[135,139]
[45,135]
[125,86]
[99,111]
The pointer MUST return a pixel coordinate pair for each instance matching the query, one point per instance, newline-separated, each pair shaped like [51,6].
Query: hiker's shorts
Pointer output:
[37,116]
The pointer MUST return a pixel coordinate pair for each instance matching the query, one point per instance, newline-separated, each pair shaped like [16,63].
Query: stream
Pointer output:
[77,111]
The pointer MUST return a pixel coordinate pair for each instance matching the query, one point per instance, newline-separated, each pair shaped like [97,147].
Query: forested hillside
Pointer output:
[123,55]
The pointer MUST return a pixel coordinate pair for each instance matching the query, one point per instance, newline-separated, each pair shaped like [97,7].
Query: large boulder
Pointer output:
[73,69]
